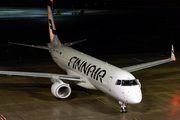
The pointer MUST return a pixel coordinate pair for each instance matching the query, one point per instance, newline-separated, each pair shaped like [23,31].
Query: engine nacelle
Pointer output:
[60,90]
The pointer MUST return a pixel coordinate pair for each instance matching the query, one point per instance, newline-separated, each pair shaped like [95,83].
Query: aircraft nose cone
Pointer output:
[136,98]
[132,95]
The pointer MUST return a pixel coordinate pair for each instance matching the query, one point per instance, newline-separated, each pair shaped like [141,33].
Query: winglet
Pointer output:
[172,54]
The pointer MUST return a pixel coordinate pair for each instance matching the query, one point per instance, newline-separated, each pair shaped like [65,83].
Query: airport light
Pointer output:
[51,2]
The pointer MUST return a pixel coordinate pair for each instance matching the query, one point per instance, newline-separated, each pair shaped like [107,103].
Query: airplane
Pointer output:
[89,72]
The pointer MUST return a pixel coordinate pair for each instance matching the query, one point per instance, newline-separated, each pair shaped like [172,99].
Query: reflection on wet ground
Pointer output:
[26,13]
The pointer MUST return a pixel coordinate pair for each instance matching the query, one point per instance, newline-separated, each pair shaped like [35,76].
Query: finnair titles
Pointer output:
[84,67]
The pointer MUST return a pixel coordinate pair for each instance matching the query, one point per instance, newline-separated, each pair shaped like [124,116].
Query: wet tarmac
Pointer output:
[18,13]
[30,98]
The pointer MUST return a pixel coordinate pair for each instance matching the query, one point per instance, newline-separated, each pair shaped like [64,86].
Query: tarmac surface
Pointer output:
[27,98]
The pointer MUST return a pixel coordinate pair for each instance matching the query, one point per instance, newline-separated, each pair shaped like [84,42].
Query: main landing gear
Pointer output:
[123,107]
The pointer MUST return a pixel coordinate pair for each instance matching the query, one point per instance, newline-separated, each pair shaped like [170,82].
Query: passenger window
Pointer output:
[118,82]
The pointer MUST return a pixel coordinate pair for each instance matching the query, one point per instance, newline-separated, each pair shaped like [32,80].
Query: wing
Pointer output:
[35,46]
[44,75]
[150,64]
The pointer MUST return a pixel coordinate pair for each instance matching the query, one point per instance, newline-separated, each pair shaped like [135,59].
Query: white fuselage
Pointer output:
[96,73]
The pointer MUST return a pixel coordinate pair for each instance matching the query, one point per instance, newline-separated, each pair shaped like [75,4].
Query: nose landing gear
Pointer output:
[123,107]
[123,110]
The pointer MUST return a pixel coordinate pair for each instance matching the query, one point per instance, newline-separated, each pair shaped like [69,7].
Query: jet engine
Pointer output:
[60,90]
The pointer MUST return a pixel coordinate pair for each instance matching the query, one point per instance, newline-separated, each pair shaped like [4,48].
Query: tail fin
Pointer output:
[52,28]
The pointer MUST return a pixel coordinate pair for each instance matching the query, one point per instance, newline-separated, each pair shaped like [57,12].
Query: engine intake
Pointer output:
[60,90]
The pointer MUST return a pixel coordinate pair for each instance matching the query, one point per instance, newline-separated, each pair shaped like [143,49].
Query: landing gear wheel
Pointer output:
[121,110]
[125,110]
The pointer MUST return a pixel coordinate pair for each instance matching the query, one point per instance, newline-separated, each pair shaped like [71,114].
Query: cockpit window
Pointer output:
[126,82]
[129,82]
[118,82]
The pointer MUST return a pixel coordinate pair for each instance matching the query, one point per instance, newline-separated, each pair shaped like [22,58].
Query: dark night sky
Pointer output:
[101,4]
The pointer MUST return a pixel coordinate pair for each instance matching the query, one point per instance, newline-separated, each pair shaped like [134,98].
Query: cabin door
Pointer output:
[109,83]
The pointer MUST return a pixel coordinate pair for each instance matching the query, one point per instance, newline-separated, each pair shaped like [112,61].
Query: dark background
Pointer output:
[131,27]
[98,4]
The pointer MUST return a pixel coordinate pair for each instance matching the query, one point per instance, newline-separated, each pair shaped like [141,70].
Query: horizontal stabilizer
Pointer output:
[73,43]
[35,46]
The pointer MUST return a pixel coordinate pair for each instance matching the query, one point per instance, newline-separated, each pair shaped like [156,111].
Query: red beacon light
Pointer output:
[174,59]
[52,3]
